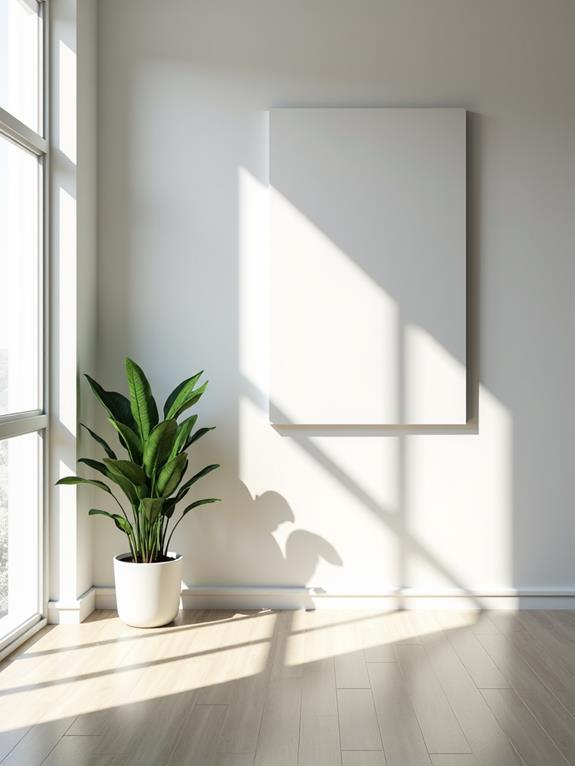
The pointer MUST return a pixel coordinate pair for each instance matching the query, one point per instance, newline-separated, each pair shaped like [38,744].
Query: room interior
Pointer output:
[297,275]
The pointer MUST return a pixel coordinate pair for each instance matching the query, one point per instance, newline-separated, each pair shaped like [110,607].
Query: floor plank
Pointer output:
[545,662]
[319,741]
[38,743]
[377,639]
[543,704]
[453,760]
[243,695]
[351,671]
[531,742]
[544,634]
[234,759]
[439,725]
[488,742]
[475,659]
[358,725]
[363,758]
[318,690]
[81,751]
[279,734]
[562,623]
[198,740]
[403,741]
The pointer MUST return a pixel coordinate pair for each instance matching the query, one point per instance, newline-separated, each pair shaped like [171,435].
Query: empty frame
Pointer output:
[368,257]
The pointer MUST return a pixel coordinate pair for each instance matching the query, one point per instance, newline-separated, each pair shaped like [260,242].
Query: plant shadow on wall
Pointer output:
[395,522]
[240,538]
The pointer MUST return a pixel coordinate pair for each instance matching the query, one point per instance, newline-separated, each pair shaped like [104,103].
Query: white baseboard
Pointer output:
[72,612]
[242,597]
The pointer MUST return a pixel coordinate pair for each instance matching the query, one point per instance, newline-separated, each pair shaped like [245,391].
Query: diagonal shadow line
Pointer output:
[391,519]
[155,634]
[139,636]
[128,668]
[276,657]
[144,710]
[278,643]
[273,669]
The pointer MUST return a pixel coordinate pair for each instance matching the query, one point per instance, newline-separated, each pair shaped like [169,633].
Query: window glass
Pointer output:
[19,522]
[19,279]
[20,61]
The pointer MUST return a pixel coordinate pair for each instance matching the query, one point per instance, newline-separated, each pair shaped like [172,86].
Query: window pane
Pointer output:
[20,61]
[19,517]
[19,279]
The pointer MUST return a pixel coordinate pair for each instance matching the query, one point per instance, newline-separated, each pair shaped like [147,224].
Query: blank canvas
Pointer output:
[368,260]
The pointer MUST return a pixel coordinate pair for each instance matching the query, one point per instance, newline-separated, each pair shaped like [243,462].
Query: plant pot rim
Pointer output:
[121,559]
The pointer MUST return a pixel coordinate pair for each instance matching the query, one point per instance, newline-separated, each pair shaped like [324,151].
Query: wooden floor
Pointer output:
[295,689]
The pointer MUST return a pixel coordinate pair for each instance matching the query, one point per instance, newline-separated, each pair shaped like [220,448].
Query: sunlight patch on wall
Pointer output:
[462,485]
[253,279]
[67,277]
[334,330]
[434,379]
[67,109]
[343,491]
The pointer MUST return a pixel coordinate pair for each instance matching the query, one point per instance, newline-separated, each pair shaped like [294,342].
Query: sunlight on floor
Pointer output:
[256,688]
[77,670]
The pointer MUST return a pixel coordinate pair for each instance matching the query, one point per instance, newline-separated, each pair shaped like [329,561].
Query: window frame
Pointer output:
[36,421]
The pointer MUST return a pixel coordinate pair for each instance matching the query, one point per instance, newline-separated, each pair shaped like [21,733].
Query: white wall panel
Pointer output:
[368,266]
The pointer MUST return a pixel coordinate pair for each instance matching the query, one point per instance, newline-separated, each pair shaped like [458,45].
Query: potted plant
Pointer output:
[151,480]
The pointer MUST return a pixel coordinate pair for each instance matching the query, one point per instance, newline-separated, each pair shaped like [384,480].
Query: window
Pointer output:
[23,419]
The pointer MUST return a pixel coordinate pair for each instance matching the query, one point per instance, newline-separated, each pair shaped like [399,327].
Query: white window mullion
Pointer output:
[20,133]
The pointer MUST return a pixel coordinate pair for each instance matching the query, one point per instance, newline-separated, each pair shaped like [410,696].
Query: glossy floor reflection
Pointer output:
[295,688]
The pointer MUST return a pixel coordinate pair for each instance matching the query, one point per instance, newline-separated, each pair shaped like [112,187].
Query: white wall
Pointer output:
[184,87]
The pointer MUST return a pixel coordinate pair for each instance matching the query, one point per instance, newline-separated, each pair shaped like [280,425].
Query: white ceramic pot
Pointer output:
[148,595]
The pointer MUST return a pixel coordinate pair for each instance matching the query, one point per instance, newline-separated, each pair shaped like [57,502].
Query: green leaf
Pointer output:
[198,435]
[192,400]
[69,480]
[159,445]
[184,430]
[108,450]
[181,394]
[129,439]
[100,512]
[196,503]
[126,486]
[142,403]
[185,488]
[134,473]
[117,405]
[122,523]
[96,465]
[151,507]
[171,475]
[169,507]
